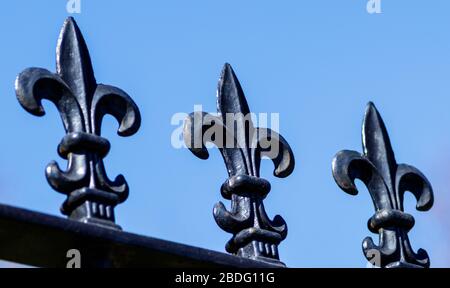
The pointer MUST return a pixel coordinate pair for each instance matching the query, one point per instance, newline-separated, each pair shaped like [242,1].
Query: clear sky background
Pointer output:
[317,63]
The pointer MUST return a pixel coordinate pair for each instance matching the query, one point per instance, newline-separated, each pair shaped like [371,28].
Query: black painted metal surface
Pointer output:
[242,146]
[82,103]
[42,240]
[387,182]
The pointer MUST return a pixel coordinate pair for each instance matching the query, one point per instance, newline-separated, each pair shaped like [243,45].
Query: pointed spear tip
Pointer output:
[371,110]
[67,32]
[226,76]
[227,70]
[230,97]
[72,50]
[70,25]
[375,134]
[70,19]
[370,106]
[69,22]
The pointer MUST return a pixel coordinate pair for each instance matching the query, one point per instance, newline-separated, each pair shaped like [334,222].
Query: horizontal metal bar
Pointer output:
[42,240]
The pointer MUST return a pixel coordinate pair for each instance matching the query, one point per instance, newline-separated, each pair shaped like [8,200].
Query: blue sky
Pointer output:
[316,63]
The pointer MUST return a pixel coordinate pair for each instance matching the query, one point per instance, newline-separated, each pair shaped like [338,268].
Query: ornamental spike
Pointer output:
[242,147]
[82,103]
[386,182]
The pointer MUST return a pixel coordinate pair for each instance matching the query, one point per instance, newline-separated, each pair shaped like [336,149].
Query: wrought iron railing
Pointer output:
[38,239]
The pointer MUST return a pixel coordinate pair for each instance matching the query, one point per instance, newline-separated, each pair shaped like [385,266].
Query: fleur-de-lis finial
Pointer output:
[242,147]
[387,182]
[82,103]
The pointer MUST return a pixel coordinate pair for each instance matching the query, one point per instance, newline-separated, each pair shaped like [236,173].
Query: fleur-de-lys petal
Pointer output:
[73,64]
[82,103]
[242,147]
[377,146]
[386,182]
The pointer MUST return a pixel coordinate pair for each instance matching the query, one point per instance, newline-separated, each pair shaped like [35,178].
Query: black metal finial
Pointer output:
[82,103]
[387,182]
[242,146]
